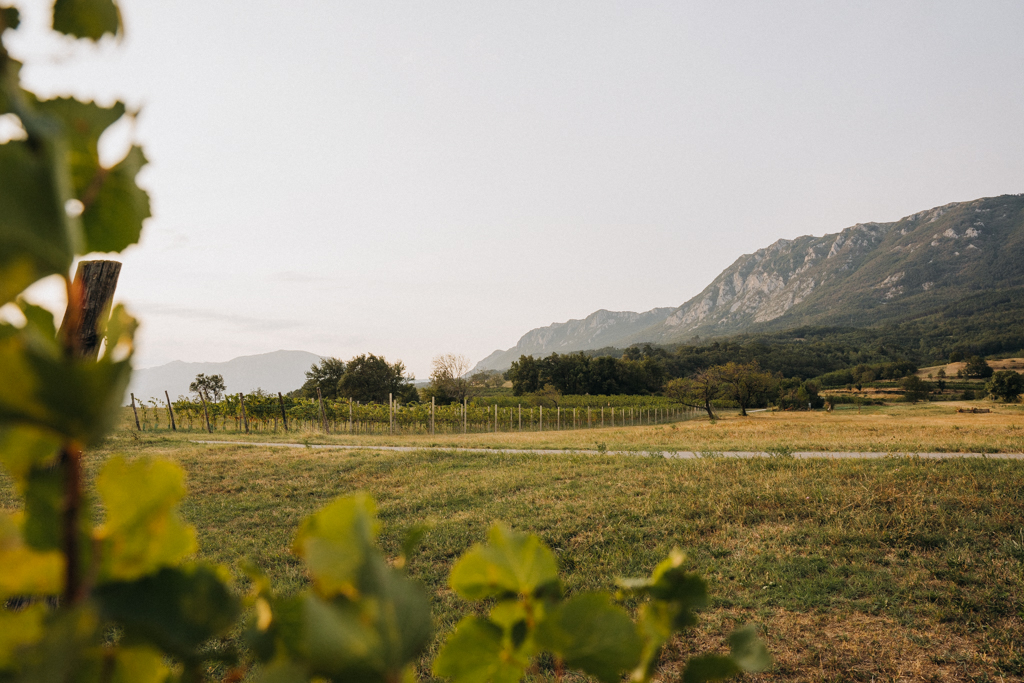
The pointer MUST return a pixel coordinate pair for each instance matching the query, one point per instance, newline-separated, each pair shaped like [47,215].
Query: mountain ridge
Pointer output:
[275,371]
[600,329]
[863,275]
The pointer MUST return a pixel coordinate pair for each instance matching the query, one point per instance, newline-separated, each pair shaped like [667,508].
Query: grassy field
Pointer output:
[899,428]
[893,569]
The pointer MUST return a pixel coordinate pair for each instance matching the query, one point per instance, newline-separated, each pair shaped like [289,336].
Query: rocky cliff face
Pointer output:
[863,275]
[597,330]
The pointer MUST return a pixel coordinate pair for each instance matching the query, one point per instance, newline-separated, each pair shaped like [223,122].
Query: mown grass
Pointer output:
[899,428]
[894,569]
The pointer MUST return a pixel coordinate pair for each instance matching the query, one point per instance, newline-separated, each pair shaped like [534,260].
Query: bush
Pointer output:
[1006,386]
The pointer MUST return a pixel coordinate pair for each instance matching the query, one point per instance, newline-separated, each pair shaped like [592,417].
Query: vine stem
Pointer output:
[71,469]
[89,296]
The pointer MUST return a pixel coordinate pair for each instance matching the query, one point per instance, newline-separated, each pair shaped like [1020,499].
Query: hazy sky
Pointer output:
[416,178]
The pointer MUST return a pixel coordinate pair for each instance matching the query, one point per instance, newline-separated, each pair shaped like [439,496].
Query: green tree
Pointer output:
[1006,386]
[326,376]
[524,375]
[745,383]
[210,388]
[370,379]
[914,388]
[697,391]
[977,368]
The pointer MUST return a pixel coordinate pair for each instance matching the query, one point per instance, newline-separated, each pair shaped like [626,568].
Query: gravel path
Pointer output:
[666,454]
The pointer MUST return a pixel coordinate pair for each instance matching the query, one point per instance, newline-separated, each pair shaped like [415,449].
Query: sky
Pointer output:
[417,178]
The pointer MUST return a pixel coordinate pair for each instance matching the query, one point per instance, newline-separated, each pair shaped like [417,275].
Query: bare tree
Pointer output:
[447,376]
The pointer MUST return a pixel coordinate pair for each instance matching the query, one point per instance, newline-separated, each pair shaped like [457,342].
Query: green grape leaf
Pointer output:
[476,653]
[83,124]
[69,649]
[36,236]
[142,531]
[176,609]
[139,665]
[283,671]
[87,18]
[400,610]
[671,583]
[654,623]
[10,17]
[510,564]
[113,216]
[749,651]
[19,630]
[22,448]
[75,399]
[338,642]
[26,571]
[710,668]
[336,544]
[593,635]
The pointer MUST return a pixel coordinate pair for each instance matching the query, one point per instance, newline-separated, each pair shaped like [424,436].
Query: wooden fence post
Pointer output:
[431,415]
[391,414]
[245,417]
[349,414]
[170,411]
[465,414]
[284,415]
[520,417]
[540,422]
[323,415]
[137,426]
[206,415]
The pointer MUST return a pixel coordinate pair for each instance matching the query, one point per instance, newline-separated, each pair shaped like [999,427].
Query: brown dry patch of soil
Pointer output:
[819,647]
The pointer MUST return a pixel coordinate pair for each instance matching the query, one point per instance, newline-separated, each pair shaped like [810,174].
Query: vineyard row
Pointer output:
[267,413]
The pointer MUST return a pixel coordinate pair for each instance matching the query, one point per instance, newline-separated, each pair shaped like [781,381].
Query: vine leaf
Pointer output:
[139,665]
[176,609]
[114,206]
[592,634]
[75,399]
[19,630]
[749,651]
[113,216]
[510,564]
[710,668]
[11,17]
[22,447]
[36,237]
[476,653]
[26,571]
[336,543]
[142,532]
[90,19]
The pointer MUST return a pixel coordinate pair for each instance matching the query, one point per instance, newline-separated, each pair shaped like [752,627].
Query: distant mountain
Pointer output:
[597,330]
[868,274]
[276,371]
[931,262]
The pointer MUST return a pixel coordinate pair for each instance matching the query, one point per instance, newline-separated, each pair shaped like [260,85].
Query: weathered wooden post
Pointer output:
[245,417]
[170,411]
[284,415]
